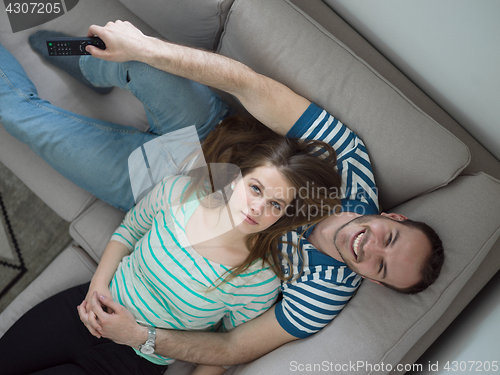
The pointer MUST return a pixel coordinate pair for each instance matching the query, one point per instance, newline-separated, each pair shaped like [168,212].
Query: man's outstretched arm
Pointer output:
[269,101]
[245,343]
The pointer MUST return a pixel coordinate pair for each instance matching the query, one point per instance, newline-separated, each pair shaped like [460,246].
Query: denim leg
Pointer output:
[91,153]
[171,102]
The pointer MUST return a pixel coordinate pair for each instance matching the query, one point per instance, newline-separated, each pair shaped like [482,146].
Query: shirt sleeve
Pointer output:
[139,220]
[353,162]
[325,285]
[308,306]
[251,299]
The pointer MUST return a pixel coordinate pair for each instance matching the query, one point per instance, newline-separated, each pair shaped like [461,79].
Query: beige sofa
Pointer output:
[426,165]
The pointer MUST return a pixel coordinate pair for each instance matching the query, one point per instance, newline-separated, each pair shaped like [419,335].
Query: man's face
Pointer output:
[382,249]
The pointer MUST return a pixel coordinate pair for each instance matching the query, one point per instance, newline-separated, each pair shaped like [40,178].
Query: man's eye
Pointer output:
[389,240]
[381,266]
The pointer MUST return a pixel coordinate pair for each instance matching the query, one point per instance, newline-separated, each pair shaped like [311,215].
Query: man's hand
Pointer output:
[124,42]
[270,102]
[119,326]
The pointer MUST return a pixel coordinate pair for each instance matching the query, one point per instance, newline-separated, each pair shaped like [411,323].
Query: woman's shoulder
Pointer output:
[259,275]
[173,187]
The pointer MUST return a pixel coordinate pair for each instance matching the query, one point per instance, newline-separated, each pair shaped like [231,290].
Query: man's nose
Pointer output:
[374,247]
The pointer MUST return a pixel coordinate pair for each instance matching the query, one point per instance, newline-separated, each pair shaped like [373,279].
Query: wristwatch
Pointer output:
[149,346]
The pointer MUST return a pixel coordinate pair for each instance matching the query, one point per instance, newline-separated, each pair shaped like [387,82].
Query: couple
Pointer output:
[335,254]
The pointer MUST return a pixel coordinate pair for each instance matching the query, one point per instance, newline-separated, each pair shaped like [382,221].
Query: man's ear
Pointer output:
[394,216]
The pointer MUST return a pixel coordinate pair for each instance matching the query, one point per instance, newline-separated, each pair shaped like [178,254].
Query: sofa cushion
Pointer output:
[198,23]
[379,326]
[481,159]
[411,154]
[92,230]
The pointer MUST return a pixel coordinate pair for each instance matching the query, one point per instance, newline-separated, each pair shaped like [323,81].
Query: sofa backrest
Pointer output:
[411,154]
[197,23]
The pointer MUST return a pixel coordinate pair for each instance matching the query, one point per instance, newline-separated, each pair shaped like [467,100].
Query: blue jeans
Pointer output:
[92,153]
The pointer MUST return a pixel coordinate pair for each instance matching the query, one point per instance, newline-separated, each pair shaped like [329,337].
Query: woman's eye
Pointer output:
[255,188]
[381,267]
[276,205]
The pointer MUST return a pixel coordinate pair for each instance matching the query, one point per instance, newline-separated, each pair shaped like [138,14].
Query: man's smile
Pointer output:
[355,244]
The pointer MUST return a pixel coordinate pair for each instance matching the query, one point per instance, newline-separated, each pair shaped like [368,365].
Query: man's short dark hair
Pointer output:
[432,267]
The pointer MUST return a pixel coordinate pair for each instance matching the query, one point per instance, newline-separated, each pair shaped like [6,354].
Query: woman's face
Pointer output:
[259,199]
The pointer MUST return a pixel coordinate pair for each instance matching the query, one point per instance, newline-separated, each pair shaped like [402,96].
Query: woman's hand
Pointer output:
[87,316]
[113,255]
[119,326]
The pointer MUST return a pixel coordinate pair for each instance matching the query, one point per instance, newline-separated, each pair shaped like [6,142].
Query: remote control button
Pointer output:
[82,46]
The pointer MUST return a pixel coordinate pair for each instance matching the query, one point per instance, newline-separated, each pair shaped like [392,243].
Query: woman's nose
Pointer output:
[256,206]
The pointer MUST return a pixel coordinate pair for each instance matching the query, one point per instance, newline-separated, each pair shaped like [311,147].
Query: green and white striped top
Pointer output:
[165,283]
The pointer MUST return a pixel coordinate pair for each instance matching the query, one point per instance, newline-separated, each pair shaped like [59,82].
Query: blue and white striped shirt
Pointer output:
[325,285]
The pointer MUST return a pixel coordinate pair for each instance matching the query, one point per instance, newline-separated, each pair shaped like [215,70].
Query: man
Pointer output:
[356,243]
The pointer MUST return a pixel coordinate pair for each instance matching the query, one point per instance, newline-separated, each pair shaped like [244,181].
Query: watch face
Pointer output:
[147,349]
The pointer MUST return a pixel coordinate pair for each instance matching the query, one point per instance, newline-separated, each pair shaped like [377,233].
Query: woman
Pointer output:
[201,258]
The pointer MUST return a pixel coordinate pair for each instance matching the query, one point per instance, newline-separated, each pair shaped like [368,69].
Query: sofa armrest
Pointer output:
[93,229]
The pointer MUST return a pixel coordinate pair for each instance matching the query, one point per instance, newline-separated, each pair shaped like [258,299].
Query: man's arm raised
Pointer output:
[245,343]
[269,101]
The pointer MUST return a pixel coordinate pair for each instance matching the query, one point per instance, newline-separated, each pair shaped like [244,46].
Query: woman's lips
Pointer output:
[250,220]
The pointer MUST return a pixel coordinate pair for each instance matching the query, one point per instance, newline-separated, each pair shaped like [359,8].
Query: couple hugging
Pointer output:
[212,268]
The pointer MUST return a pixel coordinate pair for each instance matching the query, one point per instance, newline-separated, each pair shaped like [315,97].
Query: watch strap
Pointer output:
[149,346]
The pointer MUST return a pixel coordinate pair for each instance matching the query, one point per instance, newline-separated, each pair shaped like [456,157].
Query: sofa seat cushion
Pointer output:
[411,154]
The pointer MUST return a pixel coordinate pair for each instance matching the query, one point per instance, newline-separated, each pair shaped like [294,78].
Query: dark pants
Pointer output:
[51,339]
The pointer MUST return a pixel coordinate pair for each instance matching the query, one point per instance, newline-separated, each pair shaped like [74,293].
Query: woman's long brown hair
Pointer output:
[308,165]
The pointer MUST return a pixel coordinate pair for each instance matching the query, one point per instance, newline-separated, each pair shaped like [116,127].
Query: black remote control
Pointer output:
[72,46]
